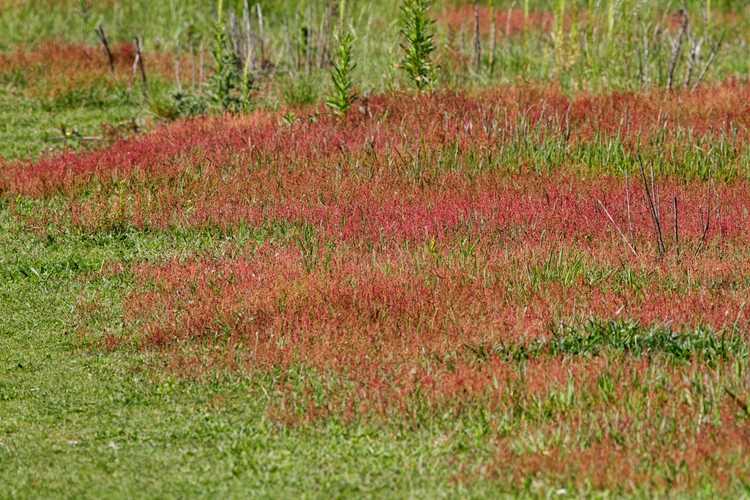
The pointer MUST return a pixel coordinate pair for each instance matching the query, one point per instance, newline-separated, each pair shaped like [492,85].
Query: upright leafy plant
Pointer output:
[417,45]
[229,87]
[343,95]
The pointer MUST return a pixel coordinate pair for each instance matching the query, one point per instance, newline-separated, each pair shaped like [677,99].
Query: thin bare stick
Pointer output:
[627,204]
[261,41]
[641,67]
[477,39]
[178,81]
[707,222]
[676,225]
[248,29]
[493,37]
[293,47]
[105,43]
[139,65]
[645,78]
[507,19]
[622,235]
[677,49]
[654,213]
[704,236]
[654,192]
[307,40]
[234,35]
[327,27]
[193,67]
[201,64]
[714,51]
[718,217]
[320,43]
[695,54]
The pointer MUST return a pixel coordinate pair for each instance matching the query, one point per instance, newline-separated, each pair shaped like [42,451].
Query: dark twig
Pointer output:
[652,206]
[105,43]
[677,49]
[139,65]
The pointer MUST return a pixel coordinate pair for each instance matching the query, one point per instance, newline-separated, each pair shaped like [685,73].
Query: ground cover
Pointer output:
[368,274]
[497,286]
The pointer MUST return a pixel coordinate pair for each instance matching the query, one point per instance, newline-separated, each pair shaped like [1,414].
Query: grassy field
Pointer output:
[528,279]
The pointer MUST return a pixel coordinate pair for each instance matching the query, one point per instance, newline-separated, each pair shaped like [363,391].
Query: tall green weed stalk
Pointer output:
[230,85]
[343,95]
[417,45]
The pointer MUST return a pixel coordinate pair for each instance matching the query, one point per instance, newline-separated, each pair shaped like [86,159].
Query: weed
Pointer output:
[437,283]
[342,97]
[417,45]
[230,84]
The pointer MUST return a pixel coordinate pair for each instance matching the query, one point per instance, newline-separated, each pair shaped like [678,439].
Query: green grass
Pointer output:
[586,56]
[29,128]
[78,421]
[583,56]
[611,337]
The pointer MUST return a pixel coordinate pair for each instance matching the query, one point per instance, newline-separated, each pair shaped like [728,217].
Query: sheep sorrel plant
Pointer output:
[341,76]
[532,282]
[417,45]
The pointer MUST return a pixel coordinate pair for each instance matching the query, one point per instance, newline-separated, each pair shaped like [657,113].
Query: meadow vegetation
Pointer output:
[392,248]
